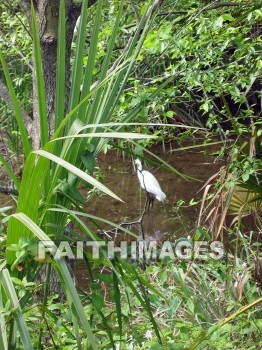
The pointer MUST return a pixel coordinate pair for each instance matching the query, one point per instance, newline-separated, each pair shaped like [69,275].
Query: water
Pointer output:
[168,220]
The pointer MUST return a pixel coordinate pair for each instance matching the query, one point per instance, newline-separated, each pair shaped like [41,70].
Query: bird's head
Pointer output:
[138,164]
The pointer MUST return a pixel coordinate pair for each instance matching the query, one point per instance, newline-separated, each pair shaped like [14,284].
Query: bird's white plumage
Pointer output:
[148,182]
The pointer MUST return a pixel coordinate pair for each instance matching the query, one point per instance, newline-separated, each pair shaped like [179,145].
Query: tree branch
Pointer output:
[221,4]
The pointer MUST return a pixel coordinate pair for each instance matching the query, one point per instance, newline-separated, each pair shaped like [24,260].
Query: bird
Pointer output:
[150,184]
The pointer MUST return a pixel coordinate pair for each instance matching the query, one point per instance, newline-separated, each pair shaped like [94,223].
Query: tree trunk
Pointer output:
[47,14]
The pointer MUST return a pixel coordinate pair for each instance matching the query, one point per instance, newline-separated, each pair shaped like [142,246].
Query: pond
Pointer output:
[170,220]
[174,218]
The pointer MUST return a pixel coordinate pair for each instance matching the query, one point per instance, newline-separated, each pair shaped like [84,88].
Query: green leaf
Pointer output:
[97,300]
[228,17]
[109,135]
[90,67]
[117,299]
[30,192]
[75,194]
[3,334]
[105,278]
[205,106]
[60,71]
[219,22]
[156,347]
[78,61]
[88,160]
[190,305]
[40,84]
[201,233]
[162,276]
[192,202]
[245,177]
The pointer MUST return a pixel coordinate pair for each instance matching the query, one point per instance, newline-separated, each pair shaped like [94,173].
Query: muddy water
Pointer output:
[166,220]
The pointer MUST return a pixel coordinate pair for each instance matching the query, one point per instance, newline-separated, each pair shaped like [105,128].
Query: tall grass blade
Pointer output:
[71,113]
[91,60]
[3,334]
[90,117]
[18,115]
[131,114]
[60,72]
[75,300]
[118,304]
[132,271]
[44,130]
[17,314]
[78,61]
[30,194]
[132,54]
[110,135]
[94,218]
[77,172]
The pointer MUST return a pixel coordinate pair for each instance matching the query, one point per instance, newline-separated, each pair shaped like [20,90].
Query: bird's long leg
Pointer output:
[151,201]
[148,200]
[144,211]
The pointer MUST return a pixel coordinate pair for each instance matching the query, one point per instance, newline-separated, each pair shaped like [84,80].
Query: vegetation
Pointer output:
[126,76]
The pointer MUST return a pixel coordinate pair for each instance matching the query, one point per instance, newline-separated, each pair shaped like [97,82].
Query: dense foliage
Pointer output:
[185,71]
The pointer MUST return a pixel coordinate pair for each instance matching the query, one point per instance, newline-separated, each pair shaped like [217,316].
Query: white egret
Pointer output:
[150,184]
